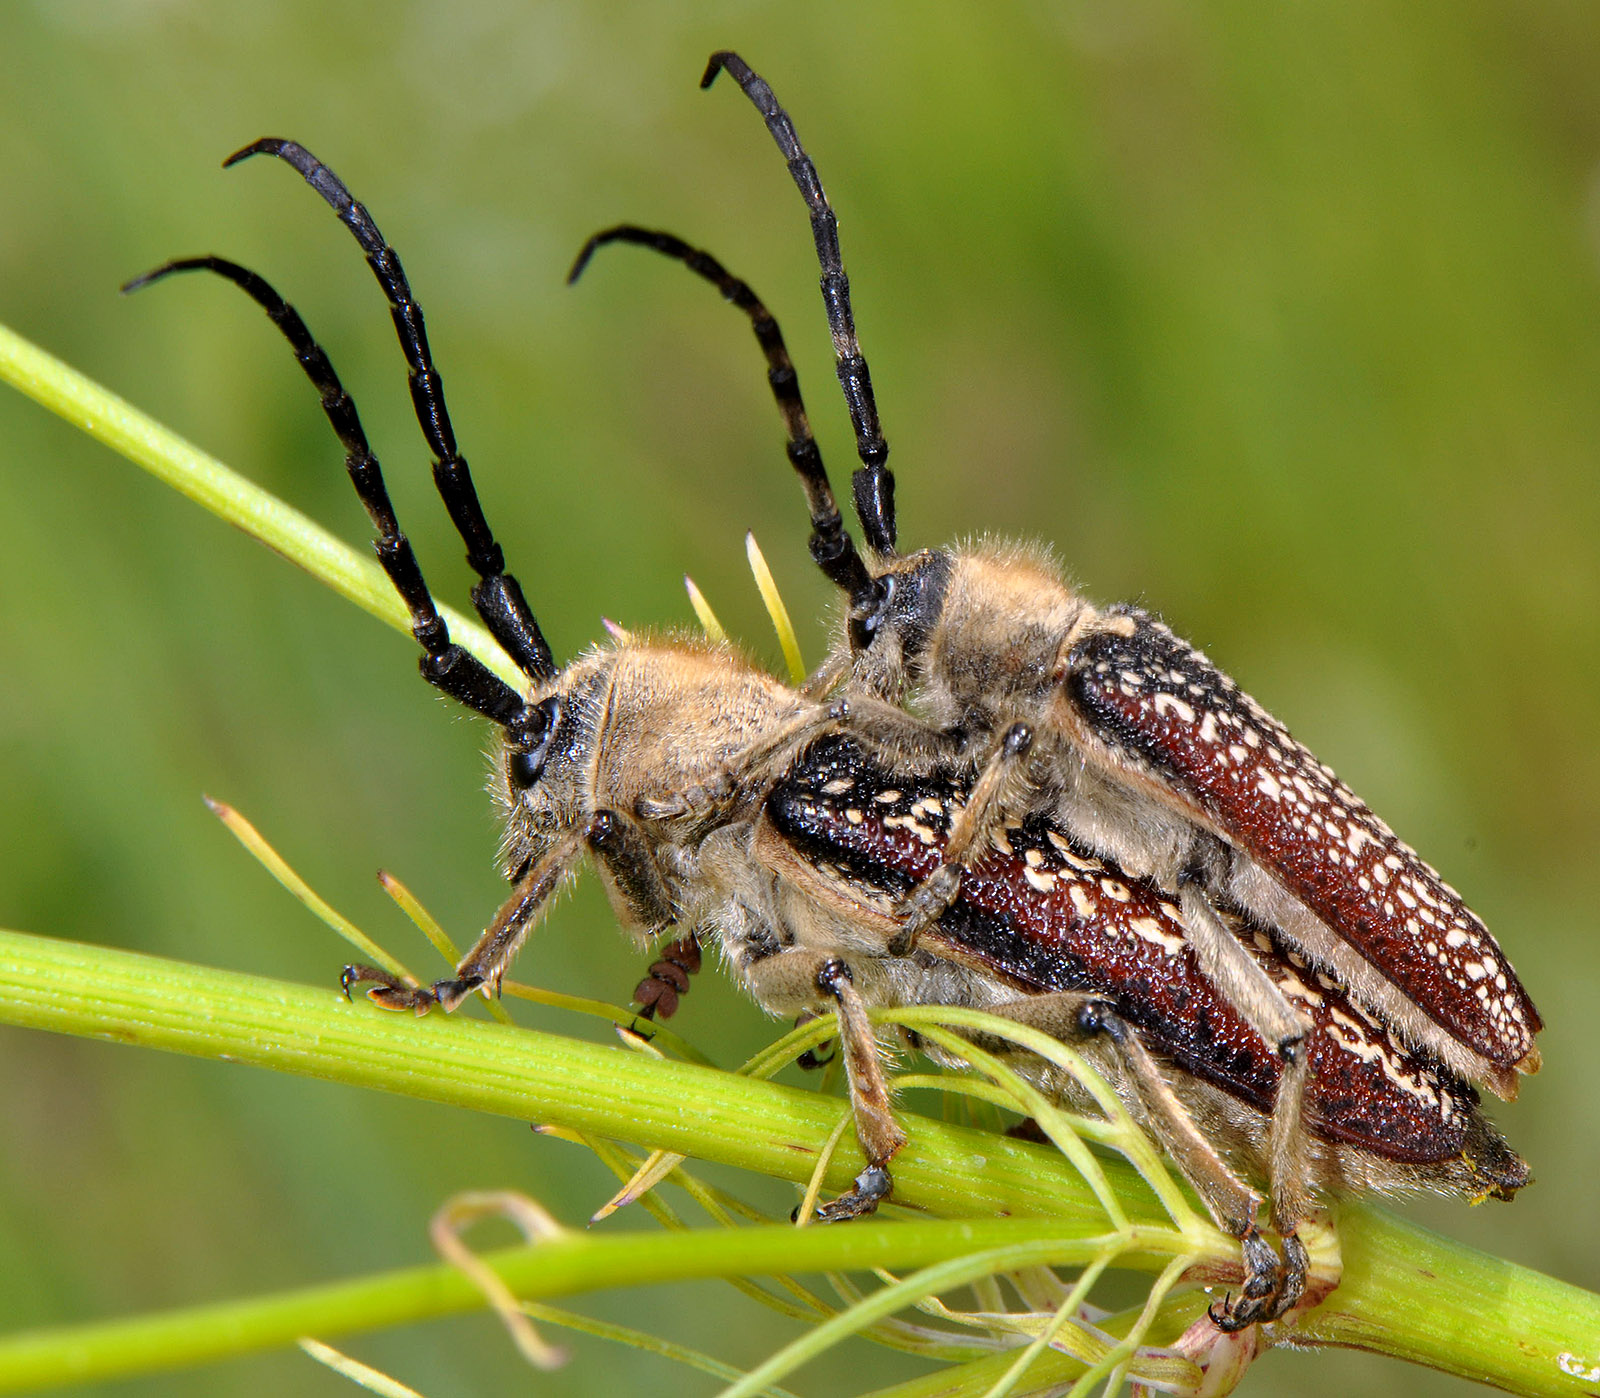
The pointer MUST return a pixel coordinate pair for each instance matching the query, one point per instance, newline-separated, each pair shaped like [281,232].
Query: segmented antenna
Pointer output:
[444,664]
[874,483]
[832,548]
[497,595]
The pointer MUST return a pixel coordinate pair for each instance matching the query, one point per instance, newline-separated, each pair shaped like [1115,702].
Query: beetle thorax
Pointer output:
[993,655]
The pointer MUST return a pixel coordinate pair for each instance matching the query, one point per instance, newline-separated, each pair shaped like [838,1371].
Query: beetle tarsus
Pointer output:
[1272,1286]
[668,978]
[393,993]
[923,907]
[873,1185]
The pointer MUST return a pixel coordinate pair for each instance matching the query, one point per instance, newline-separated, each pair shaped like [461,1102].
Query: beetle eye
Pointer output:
[869,609]
[526,768]
[531,740]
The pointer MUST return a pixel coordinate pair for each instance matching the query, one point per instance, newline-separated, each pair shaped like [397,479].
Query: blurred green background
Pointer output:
[1283,319]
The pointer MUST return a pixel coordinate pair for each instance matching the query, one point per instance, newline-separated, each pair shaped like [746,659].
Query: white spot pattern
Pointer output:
[1272,797]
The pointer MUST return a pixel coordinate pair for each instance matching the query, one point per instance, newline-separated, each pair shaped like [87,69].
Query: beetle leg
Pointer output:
[752,772]
[993,795]
[1079,1018]
[619,845]
[702,801]
[1270,1287]
[772,755]
[1230,967]
[1227,963]
[485,964]
[828,676]
[902,742]
[748,772]
[1286,1143]
[803,977]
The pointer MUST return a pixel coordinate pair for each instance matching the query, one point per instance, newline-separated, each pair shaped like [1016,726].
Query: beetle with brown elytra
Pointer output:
[1133,745]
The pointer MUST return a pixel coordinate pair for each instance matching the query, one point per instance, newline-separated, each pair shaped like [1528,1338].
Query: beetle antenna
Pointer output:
[497,595]
[873,483]
[444,664]
[832,548]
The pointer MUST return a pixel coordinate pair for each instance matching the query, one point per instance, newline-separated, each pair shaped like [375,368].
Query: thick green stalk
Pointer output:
[1415,1295]
[712,1115]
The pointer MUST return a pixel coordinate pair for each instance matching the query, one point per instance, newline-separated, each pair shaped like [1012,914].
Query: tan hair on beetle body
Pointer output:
[1134,746]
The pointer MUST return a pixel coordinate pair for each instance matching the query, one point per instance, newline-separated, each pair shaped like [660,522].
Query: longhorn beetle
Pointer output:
[1130,741]
[652,757]
[649,756]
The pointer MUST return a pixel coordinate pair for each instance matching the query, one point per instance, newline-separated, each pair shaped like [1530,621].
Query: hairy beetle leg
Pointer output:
[923,907]
[983,816]
[485,964]
[1228,966]
[1271,1286]
[801,977]
[620,847]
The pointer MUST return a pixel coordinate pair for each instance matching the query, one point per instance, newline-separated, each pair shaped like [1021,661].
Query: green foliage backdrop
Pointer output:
[1281,319]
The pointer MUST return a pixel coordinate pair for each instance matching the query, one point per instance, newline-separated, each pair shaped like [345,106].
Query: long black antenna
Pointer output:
[832,548]
[444,664]
[874,483]
[497,596]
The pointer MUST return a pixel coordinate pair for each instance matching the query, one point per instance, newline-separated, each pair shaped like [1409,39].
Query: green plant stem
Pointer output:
[1406,1292]
[558,1267]
[228,495]
[1418,1296]
[947,1170]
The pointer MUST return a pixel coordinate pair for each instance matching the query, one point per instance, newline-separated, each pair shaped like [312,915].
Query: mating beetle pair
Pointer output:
[992,794]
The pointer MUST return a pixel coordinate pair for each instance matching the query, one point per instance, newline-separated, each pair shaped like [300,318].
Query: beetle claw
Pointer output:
[1272,1286]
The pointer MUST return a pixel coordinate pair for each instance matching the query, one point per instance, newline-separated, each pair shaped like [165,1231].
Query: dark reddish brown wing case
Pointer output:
[1044,915]
[1157,699]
